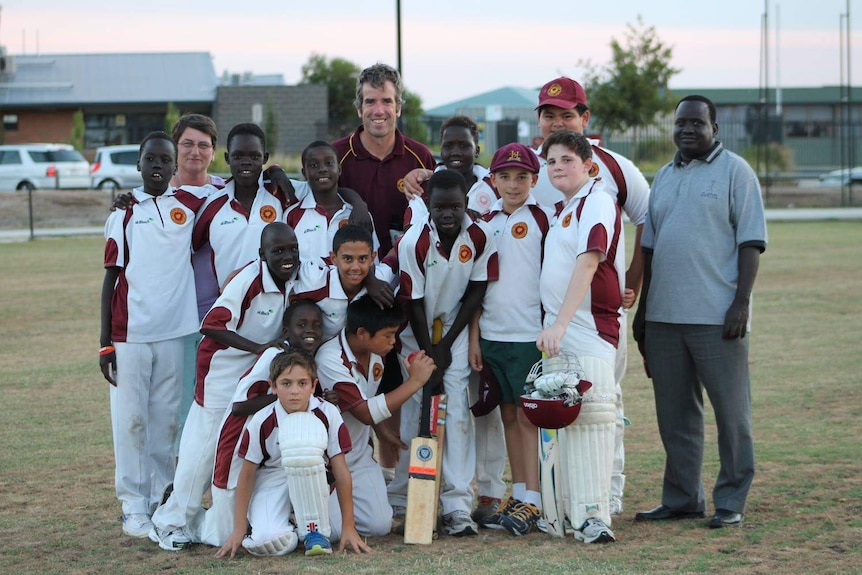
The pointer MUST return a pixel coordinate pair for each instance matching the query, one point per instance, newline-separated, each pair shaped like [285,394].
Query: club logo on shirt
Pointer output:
[265,312]
[567,220]
[400,185]
[594,170]
[342,223]
[519,230]
[178,216]
[267,214]
[554,89]
[146,221]
[377,371]
[464,254]
[484,201]
[234,220]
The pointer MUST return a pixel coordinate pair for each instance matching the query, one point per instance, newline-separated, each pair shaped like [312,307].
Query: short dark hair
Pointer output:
[157,135]
[197,122]
[461,122]
[699,98]
[447,180]
[289,358]
[351,233]
[577,143]
[295,306]
[579,108]
[246,129]
[377,75]
[365,313]
[317,144]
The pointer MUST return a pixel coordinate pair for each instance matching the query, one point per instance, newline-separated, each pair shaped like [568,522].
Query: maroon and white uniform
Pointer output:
[381,182]
[152,308]
[338,370]
[440,280]
[269,508]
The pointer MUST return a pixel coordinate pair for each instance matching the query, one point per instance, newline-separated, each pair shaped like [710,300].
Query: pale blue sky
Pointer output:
[450,48]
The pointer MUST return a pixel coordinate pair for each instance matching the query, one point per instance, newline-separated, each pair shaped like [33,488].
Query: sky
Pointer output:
[453,49]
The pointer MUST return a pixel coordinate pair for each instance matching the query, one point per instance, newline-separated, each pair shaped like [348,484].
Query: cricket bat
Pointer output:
[423,471]
[550,482]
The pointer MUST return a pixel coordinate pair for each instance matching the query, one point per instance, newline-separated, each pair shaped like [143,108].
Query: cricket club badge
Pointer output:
[567,220]
[178,216]
[554,90]
[377,371]
[267,214]
[464,254]
[594,170]
[519,230]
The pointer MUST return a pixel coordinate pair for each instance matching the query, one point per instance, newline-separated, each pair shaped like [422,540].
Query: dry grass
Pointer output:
[58,512]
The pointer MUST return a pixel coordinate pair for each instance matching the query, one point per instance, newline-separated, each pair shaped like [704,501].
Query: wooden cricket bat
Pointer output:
[423,471]
[551,484]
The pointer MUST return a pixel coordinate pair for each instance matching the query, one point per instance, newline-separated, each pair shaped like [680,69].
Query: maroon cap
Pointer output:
[562,92]
[490,395]
[515,156]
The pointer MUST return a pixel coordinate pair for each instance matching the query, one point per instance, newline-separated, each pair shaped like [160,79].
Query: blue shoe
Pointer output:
[317,544]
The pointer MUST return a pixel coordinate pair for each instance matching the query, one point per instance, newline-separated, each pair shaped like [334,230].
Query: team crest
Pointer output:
[554,90]
[377,371]
[464,254]
[515,156]
[267,214]
[400,185]
[567,220]
[343,223]
[594,170]
[178,216]
[519,230]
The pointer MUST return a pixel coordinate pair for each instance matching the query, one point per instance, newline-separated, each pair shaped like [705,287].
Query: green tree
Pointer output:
[411,117]
[78,129]
[631,91]
[171,117]
[339,76]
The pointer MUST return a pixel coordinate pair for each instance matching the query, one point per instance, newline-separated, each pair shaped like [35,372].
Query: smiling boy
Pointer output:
[147,308]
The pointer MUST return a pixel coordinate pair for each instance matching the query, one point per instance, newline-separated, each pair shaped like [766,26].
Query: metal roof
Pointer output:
[78,79]
[507,96]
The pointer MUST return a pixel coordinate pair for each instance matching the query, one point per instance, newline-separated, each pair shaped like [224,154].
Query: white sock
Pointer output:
[533,498]
[519,491]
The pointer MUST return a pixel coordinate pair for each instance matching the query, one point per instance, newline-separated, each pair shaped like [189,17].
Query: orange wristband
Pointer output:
[108,349]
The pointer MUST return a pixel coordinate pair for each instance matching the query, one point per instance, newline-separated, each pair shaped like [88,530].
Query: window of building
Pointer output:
[10,122]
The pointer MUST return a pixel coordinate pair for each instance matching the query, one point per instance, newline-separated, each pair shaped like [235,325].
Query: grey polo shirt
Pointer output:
[700,214]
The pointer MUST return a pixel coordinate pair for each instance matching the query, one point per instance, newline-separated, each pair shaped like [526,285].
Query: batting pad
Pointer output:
[588,448]
[303,438]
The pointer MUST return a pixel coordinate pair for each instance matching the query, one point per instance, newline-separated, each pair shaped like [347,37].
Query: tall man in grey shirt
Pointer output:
[702,240]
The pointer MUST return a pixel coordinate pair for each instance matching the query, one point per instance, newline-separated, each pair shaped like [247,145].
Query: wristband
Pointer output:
[378,409]
[106,350]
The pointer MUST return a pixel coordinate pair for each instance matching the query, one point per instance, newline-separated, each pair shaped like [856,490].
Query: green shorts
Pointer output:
[510,362]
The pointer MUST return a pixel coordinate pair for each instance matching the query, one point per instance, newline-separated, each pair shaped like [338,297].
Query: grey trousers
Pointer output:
[684,360]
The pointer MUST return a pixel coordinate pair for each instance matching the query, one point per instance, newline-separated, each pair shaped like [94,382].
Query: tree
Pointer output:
[339,76]
[78,130]
[171,117]
[411,117]
[631,91]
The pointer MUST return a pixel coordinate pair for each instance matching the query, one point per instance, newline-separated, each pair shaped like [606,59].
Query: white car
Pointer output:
[837,178]
[116,167]
[42,166]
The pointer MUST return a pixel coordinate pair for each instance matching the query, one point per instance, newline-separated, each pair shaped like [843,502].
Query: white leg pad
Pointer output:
[281,545]
[303,440]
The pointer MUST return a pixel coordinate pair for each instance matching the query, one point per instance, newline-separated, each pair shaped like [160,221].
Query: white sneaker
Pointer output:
[137,524]
[459,524]
[175,540]
[595,531]
[616,506]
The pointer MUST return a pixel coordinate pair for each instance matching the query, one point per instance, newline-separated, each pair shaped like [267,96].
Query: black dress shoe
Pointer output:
[664,513]
[725,518]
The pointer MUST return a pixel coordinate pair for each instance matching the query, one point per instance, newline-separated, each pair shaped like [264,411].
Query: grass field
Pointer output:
[58,512]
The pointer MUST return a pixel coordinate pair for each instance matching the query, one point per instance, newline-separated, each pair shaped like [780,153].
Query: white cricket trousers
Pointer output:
[145,412]
[490,447]
[459,449]
[371,507]
[194,472]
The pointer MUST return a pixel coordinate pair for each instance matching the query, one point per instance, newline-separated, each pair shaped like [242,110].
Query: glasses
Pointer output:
[202,146]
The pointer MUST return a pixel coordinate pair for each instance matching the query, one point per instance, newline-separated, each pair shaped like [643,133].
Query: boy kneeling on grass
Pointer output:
[289,447]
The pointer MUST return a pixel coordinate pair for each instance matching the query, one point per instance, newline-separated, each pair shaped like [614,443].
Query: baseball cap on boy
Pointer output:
[562,92]
[515,156]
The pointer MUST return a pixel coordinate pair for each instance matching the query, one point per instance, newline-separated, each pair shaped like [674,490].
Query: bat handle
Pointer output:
[437,331]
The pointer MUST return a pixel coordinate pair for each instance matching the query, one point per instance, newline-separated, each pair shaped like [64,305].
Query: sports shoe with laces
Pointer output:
[486,506]
[595,531]
[459,524]
[137,524]
[175,540]
[317,544]
[520,519]
[492,521]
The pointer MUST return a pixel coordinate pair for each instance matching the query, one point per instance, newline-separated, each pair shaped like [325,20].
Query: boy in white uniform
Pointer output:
[147,308]
[245,320]
[446,264]
[303,329]
[503,336]
[351,364]
[288,447]
[581,289]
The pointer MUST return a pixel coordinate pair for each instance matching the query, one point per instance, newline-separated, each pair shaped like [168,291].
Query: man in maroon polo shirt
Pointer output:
[375,158]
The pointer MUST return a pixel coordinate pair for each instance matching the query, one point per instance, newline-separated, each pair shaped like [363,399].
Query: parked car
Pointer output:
[115,167]
[46,166]
[841,177]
